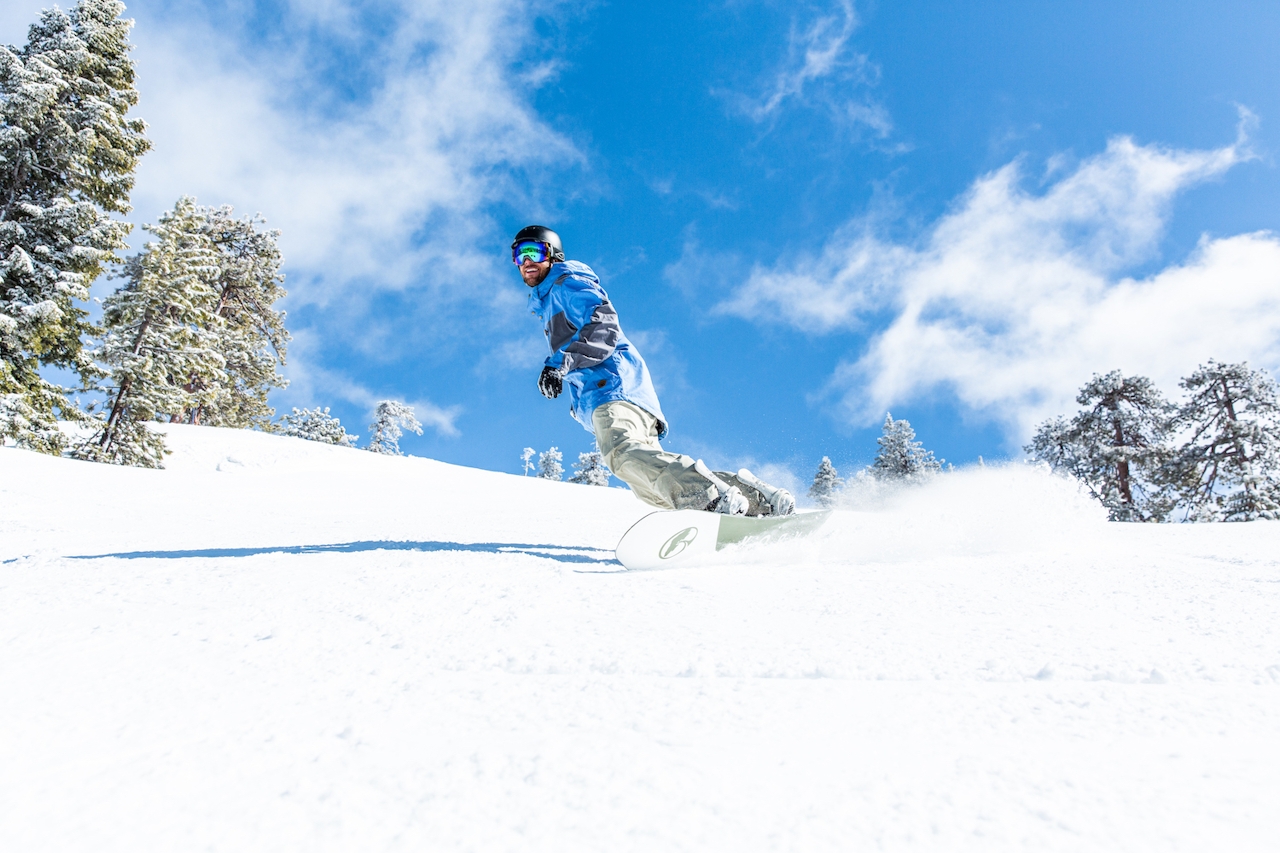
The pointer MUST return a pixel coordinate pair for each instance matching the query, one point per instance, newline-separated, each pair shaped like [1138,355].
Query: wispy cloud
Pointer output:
[312,385]
[855,273]
[700,269]
[1013,299]
[374,177]
[816,51]
[439,418]
[669,371]
[821,67]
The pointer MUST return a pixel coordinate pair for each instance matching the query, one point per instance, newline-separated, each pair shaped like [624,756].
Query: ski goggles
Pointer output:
[530,250]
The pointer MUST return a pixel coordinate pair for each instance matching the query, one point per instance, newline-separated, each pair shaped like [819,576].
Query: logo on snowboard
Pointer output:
[676,544]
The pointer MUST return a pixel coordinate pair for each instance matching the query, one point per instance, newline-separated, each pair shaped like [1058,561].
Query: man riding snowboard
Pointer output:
[610,391]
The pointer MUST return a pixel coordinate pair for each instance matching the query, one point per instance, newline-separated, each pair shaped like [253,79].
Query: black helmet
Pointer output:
[542,234]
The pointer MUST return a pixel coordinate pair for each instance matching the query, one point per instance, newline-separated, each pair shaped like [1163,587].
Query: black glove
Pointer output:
[551,382]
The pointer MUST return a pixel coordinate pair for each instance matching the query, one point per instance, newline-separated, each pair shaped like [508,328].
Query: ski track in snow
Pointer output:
[278,645]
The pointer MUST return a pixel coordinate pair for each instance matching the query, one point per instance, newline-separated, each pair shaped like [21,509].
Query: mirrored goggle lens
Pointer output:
[529,250]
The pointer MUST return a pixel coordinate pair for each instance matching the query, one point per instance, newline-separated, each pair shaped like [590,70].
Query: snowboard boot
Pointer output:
[730,502]
[780,501]
[756,502]
[763,499]
[728,499]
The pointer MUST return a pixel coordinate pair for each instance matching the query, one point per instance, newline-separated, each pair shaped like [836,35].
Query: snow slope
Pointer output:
[277,645]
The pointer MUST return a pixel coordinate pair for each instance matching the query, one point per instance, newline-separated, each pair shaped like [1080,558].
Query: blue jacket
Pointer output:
[586,341]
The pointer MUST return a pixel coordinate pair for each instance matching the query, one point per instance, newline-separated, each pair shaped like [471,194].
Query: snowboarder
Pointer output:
[611,394]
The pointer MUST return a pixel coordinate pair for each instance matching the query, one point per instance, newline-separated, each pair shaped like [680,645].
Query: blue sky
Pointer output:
[806,214]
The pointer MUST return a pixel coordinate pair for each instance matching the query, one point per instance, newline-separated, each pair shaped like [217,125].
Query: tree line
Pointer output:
[900,458]
[1213,456]
[391,419]
[589,470]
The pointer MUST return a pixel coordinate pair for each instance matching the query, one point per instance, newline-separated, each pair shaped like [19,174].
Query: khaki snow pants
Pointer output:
[628,439]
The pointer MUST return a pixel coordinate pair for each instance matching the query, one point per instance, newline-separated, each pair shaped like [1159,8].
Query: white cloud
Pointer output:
[1014,299]
[311,385]
[820,67]
[524,353]
[441,419]
[853,275]
[377,189]
[813,53]
[697,268]
[669,372]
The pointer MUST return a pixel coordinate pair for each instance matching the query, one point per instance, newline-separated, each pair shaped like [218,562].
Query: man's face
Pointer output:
[533,272]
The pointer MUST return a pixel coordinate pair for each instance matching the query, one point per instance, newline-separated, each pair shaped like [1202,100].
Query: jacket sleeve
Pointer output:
[586,331]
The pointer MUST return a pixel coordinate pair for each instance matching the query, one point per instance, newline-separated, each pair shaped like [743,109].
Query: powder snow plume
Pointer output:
[971,512]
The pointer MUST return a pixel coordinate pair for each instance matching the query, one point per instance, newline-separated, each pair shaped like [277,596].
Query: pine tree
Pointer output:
[549,467]
[67,157]
[389,422]
[157,337]
[1229,467]
[590,470]
[315,425]
[901,457]
[827,483]
[252,339]
[526,459]
[1115,446]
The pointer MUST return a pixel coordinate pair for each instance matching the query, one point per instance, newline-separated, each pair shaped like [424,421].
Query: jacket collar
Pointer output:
[541,292]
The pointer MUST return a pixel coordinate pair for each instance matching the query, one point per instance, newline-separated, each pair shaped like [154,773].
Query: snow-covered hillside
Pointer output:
[278,645]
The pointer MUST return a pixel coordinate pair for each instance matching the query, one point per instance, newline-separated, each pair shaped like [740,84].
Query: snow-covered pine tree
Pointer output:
[1228,469]
[156,337]
[67,157]
[827,483]
[901,457]
[549,464]
[250,331]
[1115,446]
[315,425]
[590,469]
[389,422]
[526,459]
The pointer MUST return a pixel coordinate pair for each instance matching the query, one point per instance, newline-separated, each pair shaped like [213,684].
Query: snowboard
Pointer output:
[688,536]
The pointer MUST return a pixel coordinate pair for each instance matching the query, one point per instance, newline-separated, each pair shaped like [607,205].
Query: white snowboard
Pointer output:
[687,537]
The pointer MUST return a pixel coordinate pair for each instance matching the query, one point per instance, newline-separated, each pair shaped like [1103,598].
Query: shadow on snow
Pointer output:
[550,552]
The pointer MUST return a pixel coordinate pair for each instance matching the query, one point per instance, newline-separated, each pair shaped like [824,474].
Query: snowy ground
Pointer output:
[276,645]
